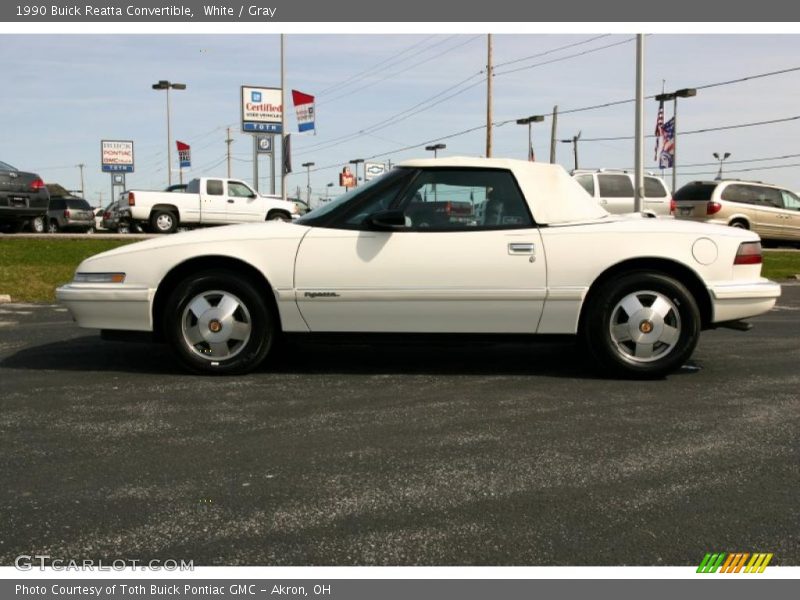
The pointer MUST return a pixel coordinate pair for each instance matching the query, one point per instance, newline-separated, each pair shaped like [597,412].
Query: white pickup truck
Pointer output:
[206,201]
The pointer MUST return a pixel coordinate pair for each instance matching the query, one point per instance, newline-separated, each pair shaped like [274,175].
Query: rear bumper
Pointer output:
[108,306]
[733,301]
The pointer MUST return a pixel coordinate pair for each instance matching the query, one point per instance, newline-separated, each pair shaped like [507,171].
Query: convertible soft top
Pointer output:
[553,196]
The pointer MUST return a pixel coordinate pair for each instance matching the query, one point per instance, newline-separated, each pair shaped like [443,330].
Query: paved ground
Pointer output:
[439,455]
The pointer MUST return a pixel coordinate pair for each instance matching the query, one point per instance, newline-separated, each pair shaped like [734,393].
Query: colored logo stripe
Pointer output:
[734,562]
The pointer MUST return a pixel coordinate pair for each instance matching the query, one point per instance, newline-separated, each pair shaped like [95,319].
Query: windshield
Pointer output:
[311,217]
[6,167]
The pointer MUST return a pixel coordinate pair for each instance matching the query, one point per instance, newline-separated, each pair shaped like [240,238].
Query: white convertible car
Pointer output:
[442,246]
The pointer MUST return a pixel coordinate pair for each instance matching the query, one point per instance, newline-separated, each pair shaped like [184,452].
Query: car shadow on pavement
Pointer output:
[551,359]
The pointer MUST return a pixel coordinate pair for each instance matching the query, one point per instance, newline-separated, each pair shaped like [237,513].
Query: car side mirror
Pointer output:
[387,220]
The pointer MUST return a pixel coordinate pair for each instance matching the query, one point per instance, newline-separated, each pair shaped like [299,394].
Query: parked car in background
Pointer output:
[771,211]
[613,189]
[546,259]
[23,200]
[70,214]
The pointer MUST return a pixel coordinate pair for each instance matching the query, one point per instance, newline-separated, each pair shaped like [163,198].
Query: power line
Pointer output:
[546,52]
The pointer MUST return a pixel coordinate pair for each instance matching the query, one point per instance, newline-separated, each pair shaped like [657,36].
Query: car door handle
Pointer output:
[230,200]
[520,248]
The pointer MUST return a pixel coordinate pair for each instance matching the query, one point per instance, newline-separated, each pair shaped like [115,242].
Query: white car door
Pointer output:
[444,271]
[244,204]
[213,202]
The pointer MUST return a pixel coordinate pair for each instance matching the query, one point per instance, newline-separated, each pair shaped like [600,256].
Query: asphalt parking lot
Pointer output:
[497,455]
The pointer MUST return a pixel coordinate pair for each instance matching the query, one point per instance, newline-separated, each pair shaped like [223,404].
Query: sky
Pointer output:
[70,91]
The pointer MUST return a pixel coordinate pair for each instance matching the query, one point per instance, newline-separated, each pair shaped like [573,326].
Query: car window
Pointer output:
[696,190]
[790,201]
[769,197]
[464,199]
[6,167]
[214,187]
[587,182]
[193,187]
[615,186]
[239,190]
[737,192]
[382,199]
[57,204]
[78,204]
[654,188]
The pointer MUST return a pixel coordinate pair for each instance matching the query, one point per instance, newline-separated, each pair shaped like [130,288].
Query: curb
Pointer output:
[4,298]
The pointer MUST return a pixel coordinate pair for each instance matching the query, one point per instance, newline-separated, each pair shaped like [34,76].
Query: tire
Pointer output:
[739,225]
[91,230]
[123,228]
[279,216]
[52,226]
[218,299]
[163,221]
[628,337]
[39,224]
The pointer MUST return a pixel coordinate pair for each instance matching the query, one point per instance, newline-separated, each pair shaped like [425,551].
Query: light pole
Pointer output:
[574,141]
[167,85]
[721,160]
[528,121]
[308,166]
[435,149]
[327,189]
[682,93]
[355,162]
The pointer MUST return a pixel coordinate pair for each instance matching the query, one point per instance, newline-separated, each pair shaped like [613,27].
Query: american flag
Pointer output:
[667,157]
[659,128]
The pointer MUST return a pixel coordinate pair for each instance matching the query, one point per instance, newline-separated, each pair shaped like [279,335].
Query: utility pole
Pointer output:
[80,166]
[283,120]
[228,142]
[553,136]
[638,187]
[489,96]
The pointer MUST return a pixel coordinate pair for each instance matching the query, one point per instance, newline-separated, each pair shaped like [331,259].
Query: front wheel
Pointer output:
[279,216]
[643,325]
[218,323]
[52,226]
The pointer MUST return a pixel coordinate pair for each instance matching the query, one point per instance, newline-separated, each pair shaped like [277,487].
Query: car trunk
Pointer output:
[15,187]
[691,201]
[79,210]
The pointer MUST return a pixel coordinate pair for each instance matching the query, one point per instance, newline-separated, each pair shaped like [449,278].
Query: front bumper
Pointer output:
[733,301]
[108,306]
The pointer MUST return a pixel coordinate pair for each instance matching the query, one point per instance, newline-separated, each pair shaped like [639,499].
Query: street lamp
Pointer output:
[327,189]
[356,162]
[435,149]
[721,159]
[308,166]
[528,121]
[574,141]
[163,84]
[682,93]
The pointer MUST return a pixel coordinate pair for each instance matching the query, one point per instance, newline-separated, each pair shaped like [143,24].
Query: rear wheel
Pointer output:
[739,224]
[217,323]
[279,216]
[39,224]
[52,226]
[123,227]
[163,221]
[642,325]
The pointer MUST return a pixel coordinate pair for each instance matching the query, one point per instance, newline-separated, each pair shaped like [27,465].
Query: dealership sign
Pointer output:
[116,156]
[373,170]
[262,109]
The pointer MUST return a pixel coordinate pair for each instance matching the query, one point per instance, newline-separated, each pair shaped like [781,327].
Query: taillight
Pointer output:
[131,199]
[749,253]
[37,184]
[713,208]
[106,215]
[66,214]
[673,206]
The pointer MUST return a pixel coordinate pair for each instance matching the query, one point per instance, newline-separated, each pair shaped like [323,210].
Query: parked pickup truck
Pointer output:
[206,201]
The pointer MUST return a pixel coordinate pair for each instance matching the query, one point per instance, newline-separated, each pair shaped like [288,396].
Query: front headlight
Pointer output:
[99,278]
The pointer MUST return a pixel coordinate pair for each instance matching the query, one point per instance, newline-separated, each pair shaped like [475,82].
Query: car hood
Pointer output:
[273,230]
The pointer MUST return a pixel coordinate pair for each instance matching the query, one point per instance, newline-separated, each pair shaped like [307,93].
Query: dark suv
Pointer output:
[23,199]
[69,214]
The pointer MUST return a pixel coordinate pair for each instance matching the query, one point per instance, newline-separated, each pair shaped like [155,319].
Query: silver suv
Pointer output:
[613,190]
[772,212]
